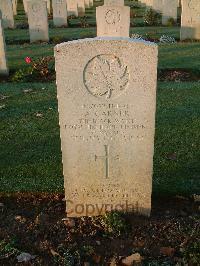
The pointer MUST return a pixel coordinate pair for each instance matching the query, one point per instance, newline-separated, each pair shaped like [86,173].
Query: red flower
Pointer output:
[28,60]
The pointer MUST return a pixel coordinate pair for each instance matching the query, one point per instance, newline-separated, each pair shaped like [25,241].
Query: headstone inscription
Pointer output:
[3,63]
[107,99]
[190,20]
[6,9]
[38,20]
[59,13]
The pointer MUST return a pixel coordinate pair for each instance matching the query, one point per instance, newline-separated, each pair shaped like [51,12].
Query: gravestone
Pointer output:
[38,20]
[106,101]
[6,9]
[169,10]
[81,8]
[25,6]
[48,6]
[157,5]
[59,13]
[113,21]
[72,8]
[91,3]
[14,4]
[190,20]
[113,2]
[87,3]
[3,63]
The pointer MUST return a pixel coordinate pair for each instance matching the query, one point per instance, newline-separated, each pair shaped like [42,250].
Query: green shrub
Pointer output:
[152,18]
[171,22]
[115,223]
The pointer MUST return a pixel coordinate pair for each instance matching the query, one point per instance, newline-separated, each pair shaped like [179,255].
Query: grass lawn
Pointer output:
[30,154]
[30,145]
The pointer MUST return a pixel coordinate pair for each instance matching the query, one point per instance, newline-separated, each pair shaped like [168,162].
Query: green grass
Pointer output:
[30,156]
[30,146]
[180,55]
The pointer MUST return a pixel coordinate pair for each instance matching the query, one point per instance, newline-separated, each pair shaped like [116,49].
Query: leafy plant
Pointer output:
[167,39]
[191,253]
[171,22]
[7,249]
[67,257]
[115,223]
[152,18]
[137,36]
[88,250]
[83,22]
[40,68]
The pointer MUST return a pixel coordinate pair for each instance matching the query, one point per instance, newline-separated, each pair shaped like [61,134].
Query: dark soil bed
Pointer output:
[33,223]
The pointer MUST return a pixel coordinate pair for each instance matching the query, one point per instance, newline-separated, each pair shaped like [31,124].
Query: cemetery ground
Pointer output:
[31,192]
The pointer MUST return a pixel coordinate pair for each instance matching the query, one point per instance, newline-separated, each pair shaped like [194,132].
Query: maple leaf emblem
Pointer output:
[106,76]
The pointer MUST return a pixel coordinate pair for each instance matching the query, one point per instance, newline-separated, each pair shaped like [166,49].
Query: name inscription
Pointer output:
[104,122]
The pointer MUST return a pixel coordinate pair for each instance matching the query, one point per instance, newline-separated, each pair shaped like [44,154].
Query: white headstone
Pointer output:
[190,20]
[157,5]
[72,8]
[14,4]
[3,63]
[25,5]
[59,12]
[81,8]
[48,5]
[6,9]
[91,3]
[113,21]
[38,20]
[169,10]
[107,99]
[113,2]
[87,3]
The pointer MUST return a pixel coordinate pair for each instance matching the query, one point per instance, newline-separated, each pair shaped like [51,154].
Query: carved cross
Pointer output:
[106,158]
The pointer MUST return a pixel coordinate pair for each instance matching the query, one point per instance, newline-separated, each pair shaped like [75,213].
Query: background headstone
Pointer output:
[113,2]
[169,10]
[6,9]
[72,8]
[87,3]
[38,20]
[113,21]
[14,4]
[48,5]
[190,20]
[3,63]
[157,5]
[91,3]
[59,12]
[81,8]
[25,5]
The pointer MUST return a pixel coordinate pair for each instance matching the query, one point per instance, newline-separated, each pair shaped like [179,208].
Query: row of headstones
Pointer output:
[190,15]
[61,10]
[168,8]
[113,22]
[38,24]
